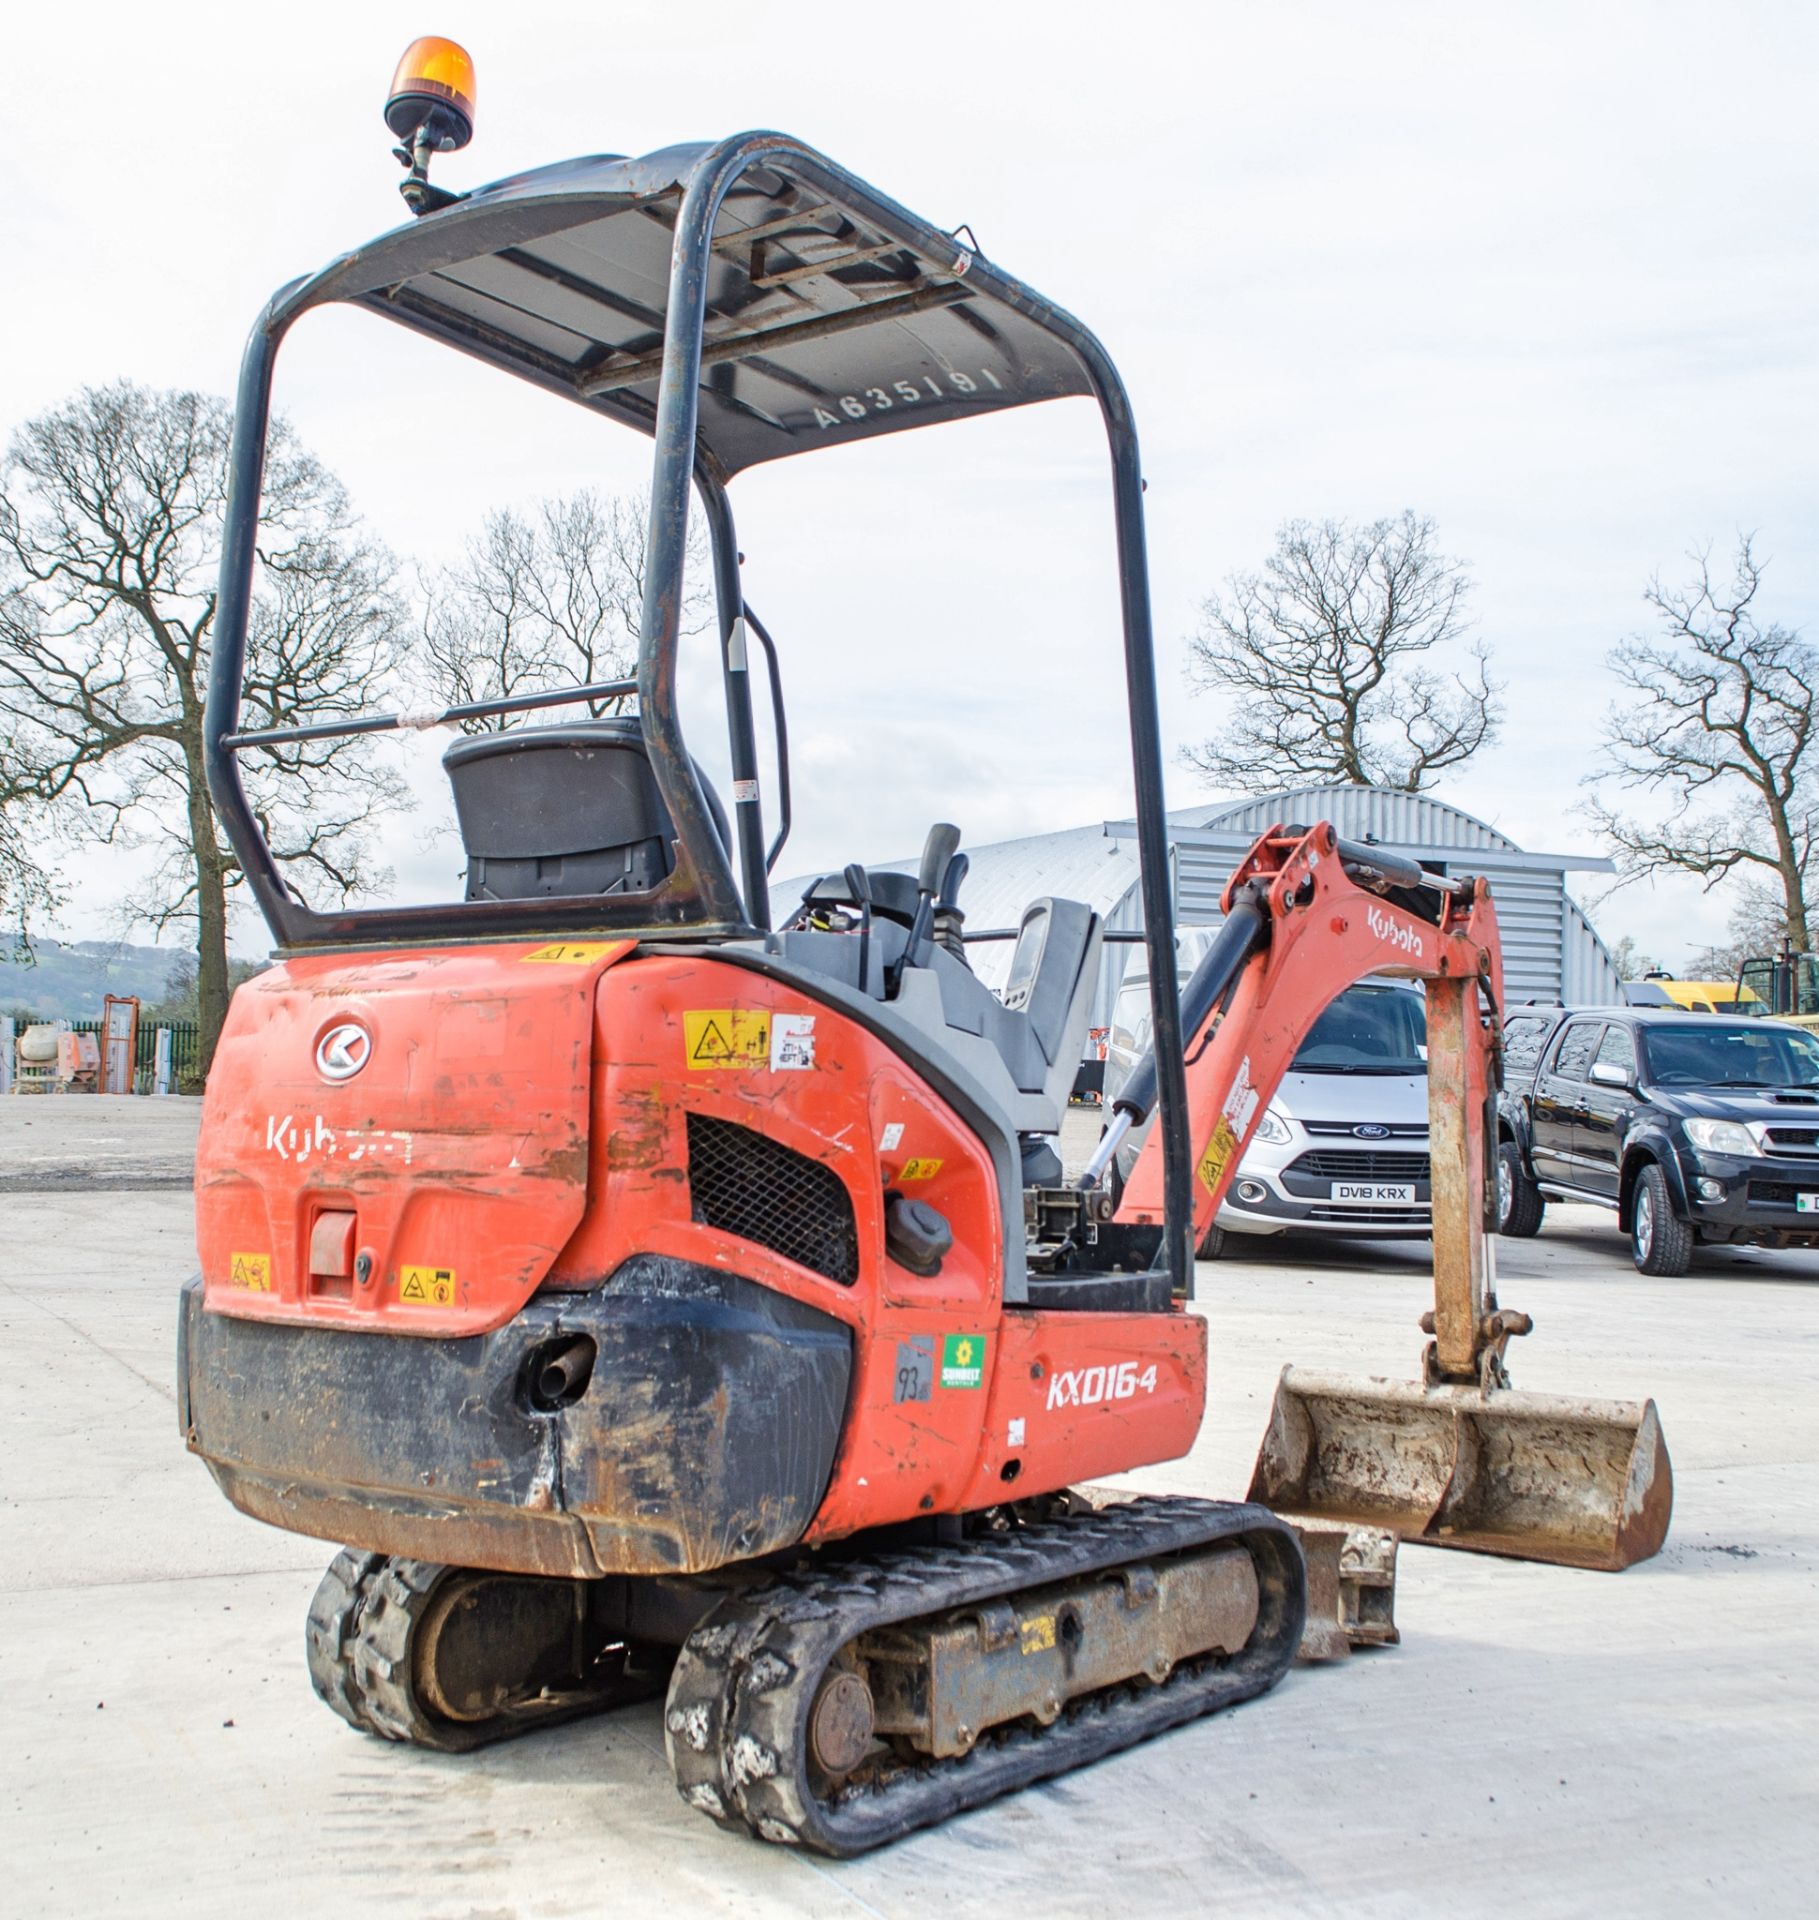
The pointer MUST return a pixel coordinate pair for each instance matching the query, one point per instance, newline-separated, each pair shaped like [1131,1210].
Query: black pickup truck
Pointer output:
[1692,1128]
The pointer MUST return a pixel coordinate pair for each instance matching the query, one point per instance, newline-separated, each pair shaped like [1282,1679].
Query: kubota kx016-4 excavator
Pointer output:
[655,1301]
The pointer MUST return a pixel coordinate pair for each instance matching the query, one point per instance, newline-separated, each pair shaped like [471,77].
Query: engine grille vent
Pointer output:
[1381,1217]
[749,1185]
[1326,1164]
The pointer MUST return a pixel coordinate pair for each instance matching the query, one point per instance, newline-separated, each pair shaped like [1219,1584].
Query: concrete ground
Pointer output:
[94,1142]
[1542,1743]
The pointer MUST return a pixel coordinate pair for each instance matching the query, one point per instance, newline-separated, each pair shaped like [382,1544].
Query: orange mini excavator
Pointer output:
[660,1302]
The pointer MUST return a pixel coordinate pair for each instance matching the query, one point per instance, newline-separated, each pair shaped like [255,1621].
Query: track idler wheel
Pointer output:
[455,1657]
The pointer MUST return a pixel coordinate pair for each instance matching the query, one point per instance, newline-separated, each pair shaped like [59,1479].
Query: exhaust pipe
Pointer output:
[560,1372]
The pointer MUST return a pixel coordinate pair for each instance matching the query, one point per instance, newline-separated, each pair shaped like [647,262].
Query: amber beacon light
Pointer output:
[431,110]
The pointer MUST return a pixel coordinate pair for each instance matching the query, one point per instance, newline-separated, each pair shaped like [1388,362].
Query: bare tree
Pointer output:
[110,528]
[1324,657]
[542,599]
[1758,927]
[1630,960]
[27,884]
[1719,733]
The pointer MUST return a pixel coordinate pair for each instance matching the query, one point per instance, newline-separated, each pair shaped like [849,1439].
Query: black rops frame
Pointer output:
[701,898]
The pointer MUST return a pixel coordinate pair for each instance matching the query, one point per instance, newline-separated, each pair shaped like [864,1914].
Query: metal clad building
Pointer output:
[1550,950]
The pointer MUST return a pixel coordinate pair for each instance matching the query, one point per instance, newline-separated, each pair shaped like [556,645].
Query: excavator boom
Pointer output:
[1459,1459]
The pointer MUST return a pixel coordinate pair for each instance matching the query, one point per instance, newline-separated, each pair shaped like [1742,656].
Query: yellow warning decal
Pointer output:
[727,1037]
[1038,1635]
[919,1170]
[427,1286]
[1219,1149]
[251,1270]
[574,953]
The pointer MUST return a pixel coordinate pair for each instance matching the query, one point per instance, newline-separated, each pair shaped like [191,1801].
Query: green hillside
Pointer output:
[71,979]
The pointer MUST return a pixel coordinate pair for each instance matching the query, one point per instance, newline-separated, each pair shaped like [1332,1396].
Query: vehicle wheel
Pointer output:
[1212,1244]
[1660,1241]
[1520,1206]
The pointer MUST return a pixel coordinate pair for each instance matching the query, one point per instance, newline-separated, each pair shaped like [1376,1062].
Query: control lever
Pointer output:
[957,869]
[945,928]
[859,887]
[938,852]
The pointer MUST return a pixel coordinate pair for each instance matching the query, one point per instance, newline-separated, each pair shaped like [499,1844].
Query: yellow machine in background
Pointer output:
[1704,996]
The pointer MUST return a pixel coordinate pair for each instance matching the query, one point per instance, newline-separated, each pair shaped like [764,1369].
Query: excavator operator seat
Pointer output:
[1054,969]
[1022,1051]
[1025,1047]
[563,811]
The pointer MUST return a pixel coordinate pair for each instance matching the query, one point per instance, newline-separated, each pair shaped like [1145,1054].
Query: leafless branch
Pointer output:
[1718,734]
[545,599]
[1321,658]
[110,523]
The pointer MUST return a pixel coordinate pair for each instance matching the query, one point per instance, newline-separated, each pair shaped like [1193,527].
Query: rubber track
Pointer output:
[736,1722]
[358,1639]
[330,1631]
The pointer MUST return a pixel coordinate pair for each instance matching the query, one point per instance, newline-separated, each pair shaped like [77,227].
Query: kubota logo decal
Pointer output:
[1395,932]
[293,1139]
[343,1051]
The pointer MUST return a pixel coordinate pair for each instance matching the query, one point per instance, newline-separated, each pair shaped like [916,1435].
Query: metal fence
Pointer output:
[186,1045]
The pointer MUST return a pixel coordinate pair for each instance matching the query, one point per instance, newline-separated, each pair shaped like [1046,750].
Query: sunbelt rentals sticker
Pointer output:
[963,1360]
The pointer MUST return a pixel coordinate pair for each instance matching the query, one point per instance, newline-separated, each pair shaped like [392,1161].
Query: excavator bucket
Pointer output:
[1460,1458]
[1578,1483]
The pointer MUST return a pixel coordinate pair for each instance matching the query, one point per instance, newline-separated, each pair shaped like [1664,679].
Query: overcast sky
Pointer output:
[1547,274]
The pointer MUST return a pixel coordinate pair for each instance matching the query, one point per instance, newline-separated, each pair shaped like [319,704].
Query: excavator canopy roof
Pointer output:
[832,313]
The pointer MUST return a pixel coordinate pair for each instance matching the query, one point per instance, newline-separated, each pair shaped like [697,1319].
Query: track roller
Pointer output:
[841,1706]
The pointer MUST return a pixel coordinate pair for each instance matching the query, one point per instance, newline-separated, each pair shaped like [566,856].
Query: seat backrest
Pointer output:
[1046,969]
[1027,1046]
[571,810]
[1054,972]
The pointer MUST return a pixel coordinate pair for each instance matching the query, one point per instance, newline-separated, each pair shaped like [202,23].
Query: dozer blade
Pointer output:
[1578,1483]
[1351,1589]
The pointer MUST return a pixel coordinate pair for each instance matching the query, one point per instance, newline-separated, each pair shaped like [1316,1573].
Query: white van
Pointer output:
[1343,1146]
